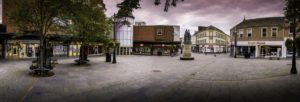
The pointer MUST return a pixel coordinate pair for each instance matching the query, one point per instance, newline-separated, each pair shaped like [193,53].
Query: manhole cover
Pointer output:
[156,71]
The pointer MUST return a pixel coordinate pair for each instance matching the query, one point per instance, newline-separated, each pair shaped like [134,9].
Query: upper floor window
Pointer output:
[249,33]
[241,32]
[264,32]
[274,32]
[159,32]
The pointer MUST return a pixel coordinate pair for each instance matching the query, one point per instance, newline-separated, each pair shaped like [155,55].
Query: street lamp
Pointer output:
[115,29]
[294,69]
[235,43]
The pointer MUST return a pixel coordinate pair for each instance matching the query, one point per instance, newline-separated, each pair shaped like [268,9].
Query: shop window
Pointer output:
[159,31]
[249,33]
[241,32]
[274,32]
[264,32]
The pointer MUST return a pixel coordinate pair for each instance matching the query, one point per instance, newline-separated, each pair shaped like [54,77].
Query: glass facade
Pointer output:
[74,50]
[60,50]
[22,50]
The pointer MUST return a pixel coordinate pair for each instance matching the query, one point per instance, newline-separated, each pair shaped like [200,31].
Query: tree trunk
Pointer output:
[41,52]
[108,55]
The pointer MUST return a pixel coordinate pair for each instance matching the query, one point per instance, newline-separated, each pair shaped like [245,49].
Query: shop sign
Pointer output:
[211,46]
[256,43]
[23,41]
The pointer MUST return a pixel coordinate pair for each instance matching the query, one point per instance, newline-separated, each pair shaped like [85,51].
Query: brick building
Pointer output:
[155,39]
[260,37]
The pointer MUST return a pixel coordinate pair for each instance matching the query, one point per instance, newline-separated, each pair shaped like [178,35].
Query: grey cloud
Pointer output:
[223,14]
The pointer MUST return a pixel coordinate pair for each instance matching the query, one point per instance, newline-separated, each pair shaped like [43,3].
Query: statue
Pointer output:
[187,37]
[187,53]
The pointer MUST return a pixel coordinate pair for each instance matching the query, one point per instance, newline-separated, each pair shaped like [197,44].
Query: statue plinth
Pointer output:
[187,53]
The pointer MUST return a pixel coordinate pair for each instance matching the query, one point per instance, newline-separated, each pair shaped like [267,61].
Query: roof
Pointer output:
[203,28]
[258,22]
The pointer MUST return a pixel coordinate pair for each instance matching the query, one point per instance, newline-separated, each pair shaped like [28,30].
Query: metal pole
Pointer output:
[235,44]
[294,69]
[115,29]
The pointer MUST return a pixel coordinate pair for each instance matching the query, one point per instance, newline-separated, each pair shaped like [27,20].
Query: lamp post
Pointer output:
[235,43]
[115,29]
[294,69]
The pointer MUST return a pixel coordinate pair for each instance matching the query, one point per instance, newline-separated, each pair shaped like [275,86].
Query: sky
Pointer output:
[224,14]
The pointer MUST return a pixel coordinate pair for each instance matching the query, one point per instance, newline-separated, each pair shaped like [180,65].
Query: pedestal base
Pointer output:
[186,58]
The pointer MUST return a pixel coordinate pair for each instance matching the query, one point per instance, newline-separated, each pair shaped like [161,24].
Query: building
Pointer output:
[260,37]
[155,39]
[210,39]
[27,45]
[124,35]
[288,34]
[193,40]
[140,23]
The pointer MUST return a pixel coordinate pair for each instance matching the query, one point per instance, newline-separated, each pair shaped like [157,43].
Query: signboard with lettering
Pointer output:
[256,43]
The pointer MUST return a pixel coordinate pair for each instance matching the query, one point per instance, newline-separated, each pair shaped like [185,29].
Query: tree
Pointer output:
[292,13]
[36,16]
[298,44]
[292,10]
[289,43]
[89,25]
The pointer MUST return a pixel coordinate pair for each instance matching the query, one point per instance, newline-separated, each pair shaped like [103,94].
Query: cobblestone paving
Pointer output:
[153,79]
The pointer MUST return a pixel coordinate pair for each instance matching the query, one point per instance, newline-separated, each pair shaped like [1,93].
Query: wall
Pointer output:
[124,33]
[257,34]
[149,33]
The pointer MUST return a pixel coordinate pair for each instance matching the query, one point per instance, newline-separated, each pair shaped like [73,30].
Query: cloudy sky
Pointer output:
[190,14]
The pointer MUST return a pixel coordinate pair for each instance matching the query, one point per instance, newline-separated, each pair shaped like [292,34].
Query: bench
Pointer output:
[274,57]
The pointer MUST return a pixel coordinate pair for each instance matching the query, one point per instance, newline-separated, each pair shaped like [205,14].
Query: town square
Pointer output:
[153,79]
[149,51]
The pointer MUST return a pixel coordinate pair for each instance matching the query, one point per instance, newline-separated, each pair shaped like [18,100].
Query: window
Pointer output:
[291,27]
[241,33]
[274,32]
[159,31]
[249,33]
[264,32]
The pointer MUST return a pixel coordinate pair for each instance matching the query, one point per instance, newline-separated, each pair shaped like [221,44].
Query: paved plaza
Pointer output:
[153,79]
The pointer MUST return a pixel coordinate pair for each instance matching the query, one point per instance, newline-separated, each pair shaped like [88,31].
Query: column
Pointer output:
[257,49]
[283,50]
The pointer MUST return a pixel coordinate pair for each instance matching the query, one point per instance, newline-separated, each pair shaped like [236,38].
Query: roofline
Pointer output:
[256,19]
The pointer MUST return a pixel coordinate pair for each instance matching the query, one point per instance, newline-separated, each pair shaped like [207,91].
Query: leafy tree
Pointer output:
[298,44]
[289,43]
[292,10]
[89,24]
[36,16]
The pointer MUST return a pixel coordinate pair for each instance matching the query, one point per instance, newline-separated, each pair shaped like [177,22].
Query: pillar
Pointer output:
[257,49]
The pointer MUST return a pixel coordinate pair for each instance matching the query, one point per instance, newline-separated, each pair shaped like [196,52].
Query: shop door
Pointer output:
[14,51]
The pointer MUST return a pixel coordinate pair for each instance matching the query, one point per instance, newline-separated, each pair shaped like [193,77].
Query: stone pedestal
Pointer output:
[187,53]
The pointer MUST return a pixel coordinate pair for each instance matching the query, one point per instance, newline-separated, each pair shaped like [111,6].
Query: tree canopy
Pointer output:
[292,10]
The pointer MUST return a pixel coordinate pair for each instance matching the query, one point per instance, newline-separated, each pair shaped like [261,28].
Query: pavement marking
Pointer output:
[29,90]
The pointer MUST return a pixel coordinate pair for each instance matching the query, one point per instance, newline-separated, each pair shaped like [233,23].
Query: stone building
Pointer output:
[211,40]
[260,37]
[155,39]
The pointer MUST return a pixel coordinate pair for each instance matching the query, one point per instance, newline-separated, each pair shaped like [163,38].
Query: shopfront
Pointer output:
[22,48]
[261,48]
[154,49]
[1,49]
[60,50]
[74,49]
